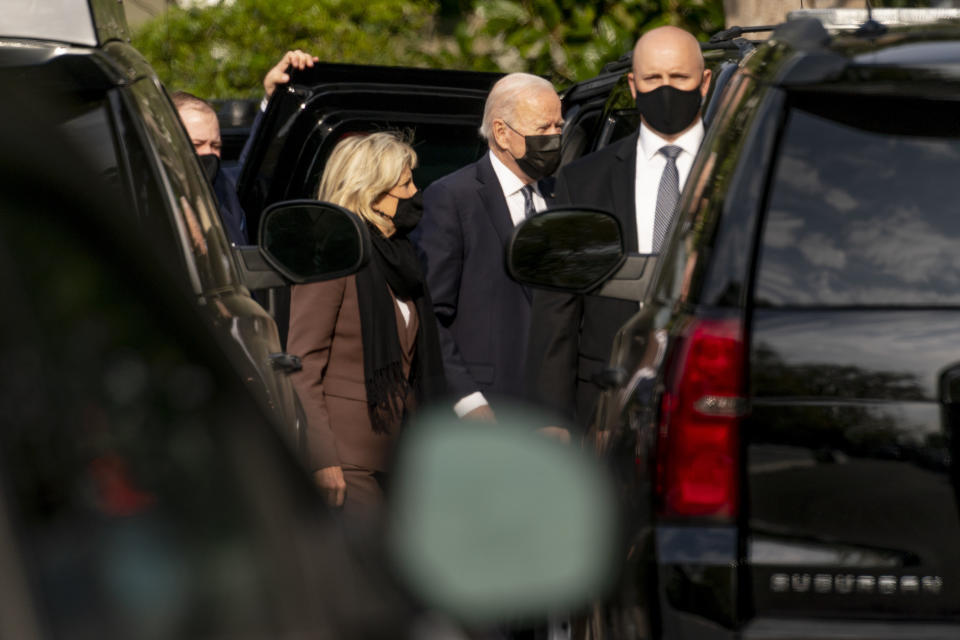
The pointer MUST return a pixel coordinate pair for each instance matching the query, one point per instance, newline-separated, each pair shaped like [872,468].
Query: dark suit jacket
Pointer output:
[325,332]
[231,212]
[483,315]
[572,336]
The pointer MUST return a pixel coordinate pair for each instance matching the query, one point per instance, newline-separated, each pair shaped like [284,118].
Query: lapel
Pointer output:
[495,204]
[493,200]
[623,185]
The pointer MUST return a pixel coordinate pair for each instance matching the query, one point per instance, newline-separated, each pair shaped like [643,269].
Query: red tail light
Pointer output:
[698,442]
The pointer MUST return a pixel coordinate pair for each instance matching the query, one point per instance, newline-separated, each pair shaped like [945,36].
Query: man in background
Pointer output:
[200,120]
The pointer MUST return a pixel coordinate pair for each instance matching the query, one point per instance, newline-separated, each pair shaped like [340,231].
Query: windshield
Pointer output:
[59,20]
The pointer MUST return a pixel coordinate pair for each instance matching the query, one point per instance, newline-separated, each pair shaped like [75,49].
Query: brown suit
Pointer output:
[325,332]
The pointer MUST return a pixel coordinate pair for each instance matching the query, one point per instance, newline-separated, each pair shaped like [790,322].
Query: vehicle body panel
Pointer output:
[849,463]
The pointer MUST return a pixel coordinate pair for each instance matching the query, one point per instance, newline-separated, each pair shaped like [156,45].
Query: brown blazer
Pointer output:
[325,332]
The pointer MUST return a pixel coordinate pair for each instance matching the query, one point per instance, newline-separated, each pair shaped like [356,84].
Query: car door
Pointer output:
[440,110]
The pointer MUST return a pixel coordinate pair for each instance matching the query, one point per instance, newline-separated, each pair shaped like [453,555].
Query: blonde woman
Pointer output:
[368,341]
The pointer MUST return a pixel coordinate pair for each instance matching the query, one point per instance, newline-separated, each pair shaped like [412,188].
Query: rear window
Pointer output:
[864,206]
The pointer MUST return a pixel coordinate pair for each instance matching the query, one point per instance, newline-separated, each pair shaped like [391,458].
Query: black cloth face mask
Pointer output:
[211,165]
[409,212]
[542,156]
[668,110]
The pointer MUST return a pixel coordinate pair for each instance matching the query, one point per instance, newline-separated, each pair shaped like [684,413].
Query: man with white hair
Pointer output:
[468,217]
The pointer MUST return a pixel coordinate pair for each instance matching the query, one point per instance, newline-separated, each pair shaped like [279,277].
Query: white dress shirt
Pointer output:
[650,164]
[511,186]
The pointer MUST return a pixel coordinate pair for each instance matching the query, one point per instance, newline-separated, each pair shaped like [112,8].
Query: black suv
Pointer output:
[783,409]
[73,66]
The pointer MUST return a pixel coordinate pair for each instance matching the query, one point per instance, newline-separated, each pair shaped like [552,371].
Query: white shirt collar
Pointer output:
[650,143]
[509,181]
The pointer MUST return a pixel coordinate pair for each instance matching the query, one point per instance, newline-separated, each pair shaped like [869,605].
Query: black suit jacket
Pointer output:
[572,336]
[483,315]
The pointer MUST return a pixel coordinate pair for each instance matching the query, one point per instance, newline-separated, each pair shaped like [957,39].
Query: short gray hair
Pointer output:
[503,97]
[183,100]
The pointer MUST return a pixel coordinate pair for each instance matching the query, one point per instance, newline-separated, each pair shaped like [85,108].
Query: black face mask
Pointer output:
[542,156]
[668,110]
[211,166]
[409,212]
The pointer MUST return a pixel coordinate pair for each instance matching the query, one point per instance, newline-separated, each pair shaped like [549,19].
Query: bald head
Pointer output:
[668,56]
[667,47]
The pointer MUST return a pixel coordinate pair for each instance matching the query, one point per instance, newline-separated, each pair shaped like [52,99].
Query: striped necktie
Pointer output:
[667,196]
[528,209]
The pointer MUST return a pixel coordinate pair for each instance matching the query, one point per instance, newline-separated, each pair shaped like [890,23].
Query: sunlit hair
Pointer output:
[363,168]
[183,100]
[504,96]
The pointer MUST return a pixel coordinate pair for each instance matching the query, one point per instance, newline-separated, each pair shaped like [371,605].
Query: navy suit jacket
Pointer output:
[231,212]
[483,315]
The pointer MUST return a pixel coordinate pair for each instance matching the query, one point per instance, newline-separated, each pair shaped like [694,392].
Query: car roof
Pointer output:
[922,55]
[88,23]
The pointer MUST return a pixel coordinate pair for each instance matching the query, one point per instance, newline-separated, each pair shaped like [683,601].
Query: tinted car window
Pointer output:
[196,215]
[143,186]
[864,205]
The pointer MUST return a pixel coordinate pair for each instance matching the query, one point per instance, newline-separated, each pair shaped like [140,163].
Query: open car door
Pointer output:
[441,111]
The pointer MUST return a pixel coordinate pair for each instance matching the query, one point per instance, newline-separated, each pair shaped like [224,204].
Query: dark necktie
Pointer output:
[528,209]
[667,196]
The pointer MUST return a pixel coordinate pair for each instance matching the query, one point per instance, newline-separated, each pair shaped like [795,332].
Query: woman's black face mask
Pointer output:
[409,212]
[668,110]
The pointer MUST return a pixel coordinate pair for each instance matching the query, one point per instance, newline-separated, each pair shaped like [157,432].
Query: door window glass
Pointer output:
[197,219]
[115,152]
[143,183]
[864,208]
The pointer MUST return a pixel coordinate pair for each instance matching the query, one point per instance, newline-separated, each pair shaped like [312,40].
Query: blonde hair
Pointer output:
[361,169]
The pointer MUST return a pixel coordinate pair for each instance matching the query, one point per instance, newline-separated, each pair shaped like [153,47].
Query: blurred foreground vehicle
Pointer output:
[782,413]
[71,61]
[144,494]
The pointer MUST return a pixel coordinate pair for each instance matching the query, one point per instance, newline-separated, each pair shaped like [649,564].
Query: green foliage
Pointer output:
[569,40]
[224,50]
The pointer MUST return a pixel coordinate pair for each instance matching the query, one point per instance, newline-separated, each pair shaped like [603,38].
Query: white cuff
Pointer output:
[469,403]
[263,103]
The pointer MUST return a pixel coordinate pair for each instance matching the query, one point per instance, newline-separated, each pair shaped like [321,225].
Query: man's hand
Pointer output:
[331,483]
[556,433]
[297,59]
[483,413]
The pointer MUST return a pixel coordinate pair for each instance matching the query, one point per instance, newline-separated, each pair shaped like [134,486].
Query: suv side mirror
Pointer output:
[566,249]
[304,241]
[310,241]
